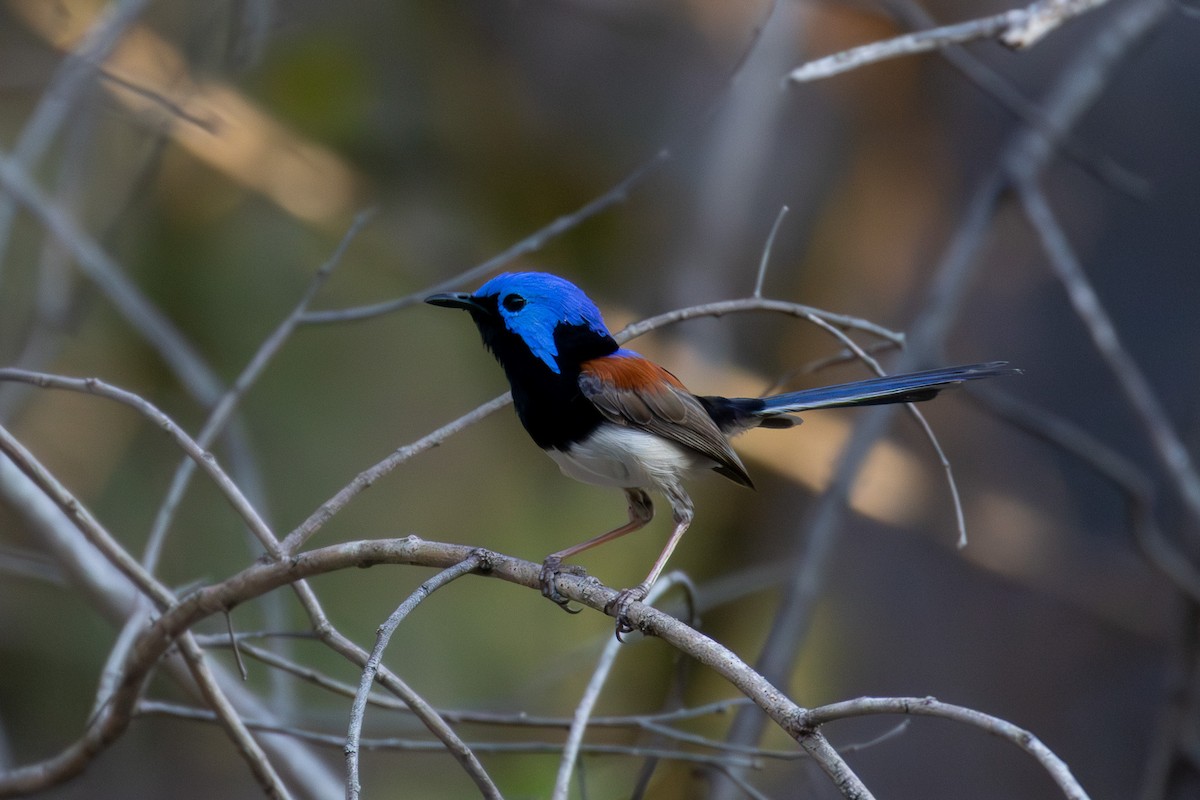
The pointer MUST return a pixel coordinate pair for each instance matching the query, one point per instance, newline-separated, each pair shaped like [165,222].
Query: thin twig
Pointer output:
[211,126]
[1018,27]
[1090,310]
[1122,472]
[1027,152]
[651,722]
[591,694]
[956,499]
[204,459]
[367,478]
[233,645]
[57,103]
[746,304]
[263,577]
[535,241]
[928,706]
[358,708]
[112,718]
[225,407]
[338,740]
[766,254]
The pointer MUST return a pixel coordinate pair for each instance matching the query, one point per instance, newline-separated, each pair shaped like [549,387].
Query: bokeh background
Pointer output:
[224,149]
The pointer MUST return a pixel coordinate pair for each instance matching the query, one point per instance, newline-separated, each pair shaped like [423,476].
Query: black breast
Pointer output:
[549,403]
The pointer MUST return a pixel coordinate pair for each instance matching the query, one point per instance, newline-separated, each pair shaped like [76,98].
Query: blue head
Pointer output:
[536,314]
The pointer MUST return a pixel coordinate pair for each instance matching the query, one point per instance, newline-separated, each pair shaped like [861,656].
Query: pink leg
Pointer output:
[641,511]
[681,507]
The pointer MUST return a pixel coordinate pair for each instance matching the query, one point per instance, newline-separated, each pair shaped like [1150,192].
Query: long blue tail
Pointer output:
[911,387]
[739,413]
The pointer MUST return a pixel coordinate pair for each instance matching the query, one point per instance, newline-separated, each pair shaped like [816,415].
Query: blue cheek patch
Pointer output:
[550,301]
[535,325]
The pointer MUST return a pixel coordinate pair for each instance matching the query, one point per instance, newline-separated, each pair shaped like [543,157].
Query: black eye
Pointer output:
[513,302]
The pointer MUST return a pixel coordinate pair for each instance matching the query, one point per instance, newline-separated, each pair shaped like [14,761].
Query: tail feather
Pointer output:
[735,414]
[910,387]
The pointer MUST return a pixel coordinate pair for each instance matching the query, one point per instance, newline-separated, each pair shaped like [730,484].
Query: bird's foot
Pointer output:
[619,608]
[552,567]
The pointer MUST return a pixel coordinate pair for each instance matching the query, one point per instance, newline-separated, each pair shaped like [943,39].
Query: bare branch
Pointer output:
[723,307]
[1128,478]
[535,241]
[158,331]
[111,721]
[766,255]
[58,102]
[204,459]
[1026,153]
[591,694]
[224,409]
[477,560]
[260,578]
[852,346]
[928,706]
[656,722]
[1018,28]
[1141,396]
[337,740]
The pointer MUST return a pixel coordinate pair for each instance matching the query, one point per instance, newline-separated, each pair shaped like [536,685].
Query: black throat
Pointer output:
[551,407]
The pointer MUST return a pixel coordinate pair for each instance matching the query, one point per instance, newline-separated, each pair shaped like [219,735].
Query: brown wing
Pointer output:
[629,390]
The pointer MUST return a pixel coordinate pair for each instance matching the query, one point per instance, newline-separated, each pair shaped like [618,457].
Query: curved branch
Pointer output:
[477,560]
[260,578]
[931,707]
[204,459]
[75,758]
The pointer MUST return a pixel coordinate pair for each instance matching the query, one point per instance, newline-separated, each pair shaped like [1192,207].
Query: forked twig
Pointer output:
[476,560]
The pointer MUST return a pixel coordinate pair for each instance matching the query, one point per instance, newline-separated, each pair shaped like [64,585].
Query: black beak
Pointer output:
[454,300]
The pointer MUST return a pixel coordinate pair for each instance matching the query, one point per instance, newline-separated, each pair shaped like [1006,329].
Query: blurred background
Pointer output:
[218,153]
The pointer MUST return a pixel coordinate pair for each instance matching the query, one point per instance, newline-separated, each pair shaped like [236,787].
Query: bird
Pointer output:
[608,416]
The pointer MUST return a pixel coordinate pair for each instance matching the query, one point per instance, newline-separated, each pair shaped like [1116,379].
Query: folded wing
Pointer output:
[630,390]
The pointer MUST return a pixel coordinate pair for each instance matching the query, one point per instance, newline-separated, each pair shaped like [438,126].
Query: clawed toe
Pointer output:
[619,607]
[552,567]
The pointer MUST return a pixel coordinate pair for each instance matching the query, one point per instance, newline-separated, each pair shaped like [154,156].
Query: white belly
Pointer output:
[628,458]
